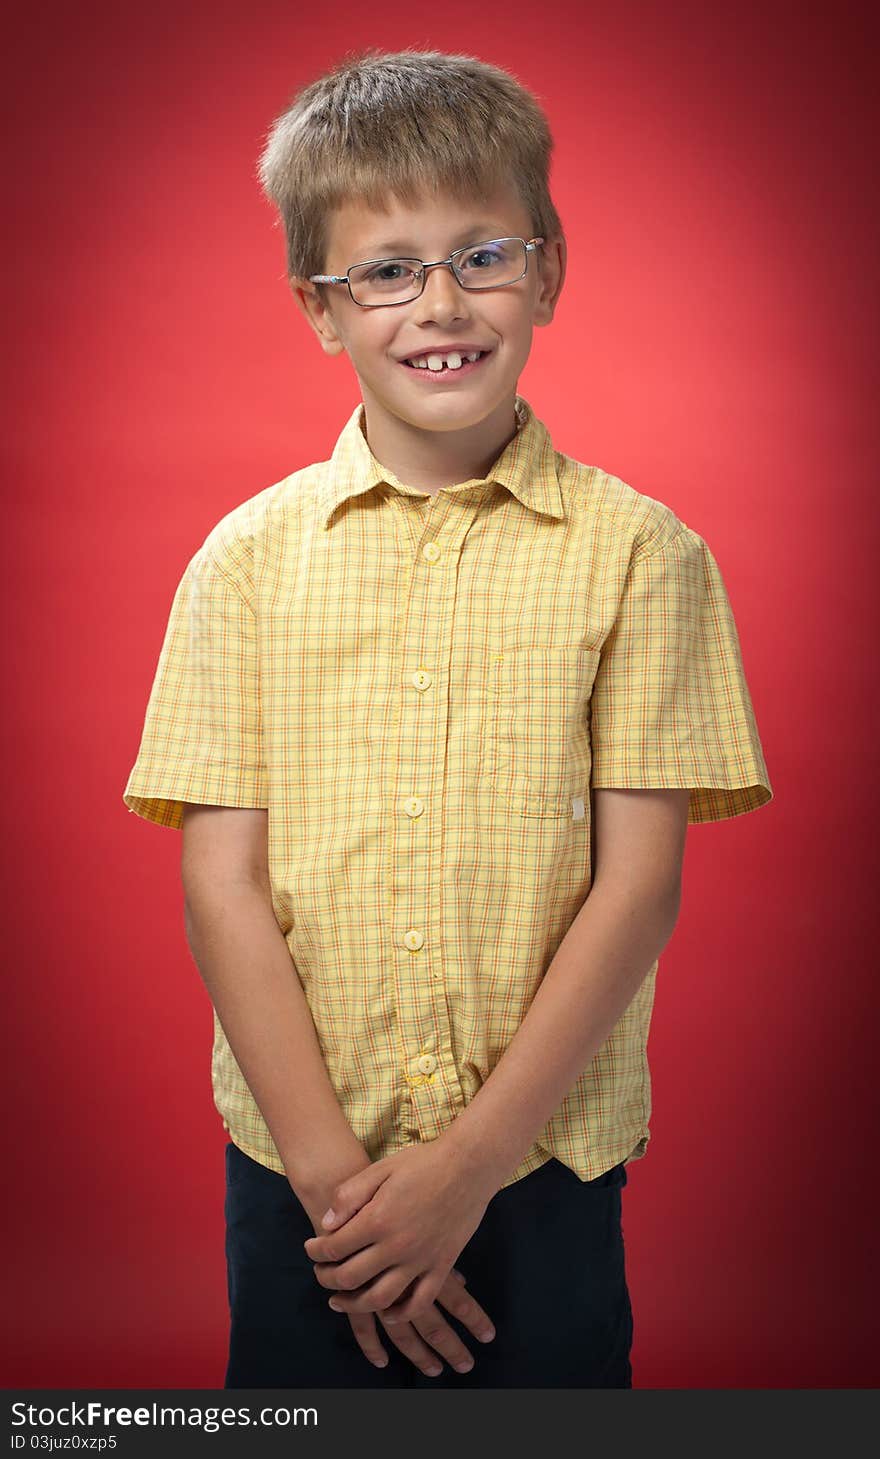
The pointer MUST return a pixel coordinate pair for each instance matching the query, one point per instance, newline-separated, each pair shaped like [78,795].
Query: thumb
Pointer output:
[351,1194]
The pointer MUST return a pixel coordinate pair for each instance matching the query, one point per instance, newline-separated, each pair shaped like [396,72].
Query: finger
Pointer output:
[353,1273]
[363,1325]
[415,1303]
[405,1339]
[374,1297]
[466,1309]
[443,1339]
[351,1194]
[408,1341]
[357,1234]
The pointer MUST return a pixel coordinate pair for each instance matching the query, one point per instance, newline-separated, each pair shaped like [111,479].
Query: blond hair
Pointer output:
[404,124]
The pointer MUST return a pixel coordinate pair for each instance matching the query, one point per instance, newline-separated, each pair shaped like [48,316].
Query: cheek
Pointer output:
[511,318]
[373,342]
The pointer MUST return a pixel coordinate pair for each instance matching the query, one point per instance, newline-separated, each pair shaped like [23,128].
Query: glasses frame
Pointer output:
[531,245]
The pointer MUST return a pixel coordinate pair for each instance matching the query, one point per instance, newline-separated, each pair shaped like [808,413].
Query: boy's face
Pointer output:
[498,320]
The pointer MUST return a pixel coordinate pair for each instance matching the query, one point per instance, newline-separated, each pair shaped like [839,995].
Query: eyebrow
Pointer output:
[399,248]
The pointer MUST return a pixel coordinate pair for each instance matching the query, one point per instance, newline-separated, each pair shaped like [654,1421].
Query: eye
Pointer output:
[491,255]
[384,273]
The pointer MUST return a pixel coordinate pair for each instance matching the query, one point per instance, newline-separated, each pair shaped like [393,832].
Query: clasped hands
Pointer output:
[397,1224]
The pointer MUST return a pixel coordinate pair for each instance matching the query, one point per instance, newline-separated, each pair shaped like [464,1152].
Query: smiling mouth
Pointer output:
[447,371]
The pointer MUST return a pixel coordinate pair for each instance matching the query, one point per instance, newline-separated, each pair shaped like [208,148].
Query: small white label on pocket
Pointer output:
[577,808]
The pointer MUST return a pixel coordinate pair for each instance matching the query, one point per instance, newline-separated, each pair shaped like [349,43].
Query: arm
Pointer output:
[622,927]
[246,966]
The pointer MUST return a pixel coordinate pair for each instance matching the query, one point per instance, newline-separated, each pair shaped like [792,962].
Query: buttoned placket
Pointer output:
[433,531]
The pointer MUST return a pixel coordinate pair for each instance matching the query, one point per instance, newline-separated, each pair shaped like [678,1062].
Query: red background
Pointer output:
[715,346]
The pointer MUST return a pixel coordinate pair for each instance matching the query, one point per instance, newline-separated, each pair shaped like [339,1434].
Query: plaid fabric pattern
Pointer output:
[422,690]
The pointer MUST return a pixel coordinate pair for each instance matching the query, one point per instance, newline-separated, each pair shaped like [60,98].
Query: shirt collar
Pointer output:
[526,466]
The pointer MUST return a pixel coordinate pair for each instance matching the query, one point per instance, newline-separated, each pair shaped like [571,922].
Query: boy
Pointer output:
[433,716]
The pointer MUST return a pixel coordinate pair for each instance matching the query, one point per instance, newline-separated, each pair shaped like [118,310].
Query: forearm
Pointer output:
[596,972]
[246,966]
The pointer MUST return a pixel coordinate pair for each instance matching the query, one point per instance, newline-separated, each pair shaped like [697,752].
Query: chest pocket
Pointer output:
[538,750]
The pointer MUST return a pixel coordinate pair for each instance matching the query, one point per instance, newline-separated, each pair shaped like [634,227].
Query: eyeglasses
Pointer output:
[379,282]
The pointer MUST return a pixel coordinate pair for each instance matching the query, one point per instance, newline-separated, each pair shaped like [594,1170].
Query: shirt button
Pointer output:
[426,1064]
[430,551]
[413,939]
[413,806]
[421,679]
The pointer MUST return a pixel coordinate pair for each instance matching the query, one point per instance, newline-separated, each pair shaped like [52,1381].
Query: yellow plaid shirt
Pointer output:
[422,689]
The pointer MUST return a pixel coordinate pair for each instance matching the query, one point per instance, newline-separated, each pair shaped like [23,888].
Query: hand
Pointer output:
[432,1335]
[396,1231]
[428,1338]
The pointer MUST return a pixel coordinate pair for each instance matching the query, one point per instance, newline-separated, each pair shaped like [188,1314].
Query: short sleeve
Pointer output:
[202,735]
[670,706]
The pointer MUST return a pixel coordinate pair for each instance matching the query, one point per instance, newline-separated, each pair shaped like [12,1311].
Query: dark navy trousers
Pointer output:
[546,1263]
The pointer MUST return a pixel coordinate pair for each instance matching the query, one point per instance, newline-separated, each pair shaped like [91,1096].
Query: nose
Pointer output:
[442,289]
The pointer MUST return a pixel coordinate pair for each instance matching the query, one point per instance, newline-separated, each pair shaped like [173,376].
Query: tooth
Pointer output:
[454,360]
[435,362]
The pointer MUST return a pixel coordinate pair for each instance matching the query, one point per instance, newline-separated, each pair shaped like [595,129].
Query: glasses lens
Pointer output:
[392,281]
[487,265]
[480,266]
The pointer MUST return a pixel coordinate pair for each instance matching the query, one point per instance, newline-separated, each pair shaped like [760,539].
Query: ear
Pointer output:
[552,260]
[310,304]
